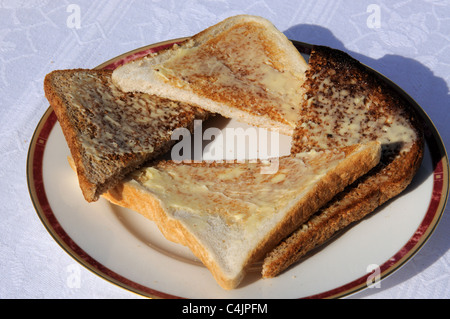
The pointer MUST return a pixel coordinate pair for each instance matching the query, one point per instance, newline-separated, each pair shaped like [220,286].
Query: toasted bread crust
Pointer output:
[58,105]
[397,167]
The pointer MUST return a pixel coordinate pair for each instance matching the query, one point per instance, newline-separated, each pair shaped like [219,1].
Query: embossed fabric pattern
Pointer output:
[408,41]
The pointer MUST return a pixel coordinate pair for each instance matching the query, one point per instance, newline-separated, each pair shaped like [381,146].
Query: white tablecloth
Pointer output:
[409,41]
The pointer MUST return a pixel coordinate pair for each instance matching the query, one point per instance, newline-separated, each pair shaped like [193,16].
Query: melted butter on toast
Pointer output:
[119,123]
[343,106]
[239,68]
[236,192]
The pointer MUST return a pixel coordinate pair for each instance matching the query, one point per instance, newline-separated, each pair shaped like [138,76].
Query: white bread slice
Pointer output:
[242,68]
[229,214]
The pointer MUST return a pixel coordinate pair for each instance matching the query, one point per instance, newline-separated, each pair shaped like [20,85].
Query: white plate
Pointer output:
[124,248]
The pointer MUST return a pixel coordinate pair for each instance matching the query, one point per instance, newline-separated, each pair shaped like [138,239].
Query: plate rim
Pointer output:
[428,225]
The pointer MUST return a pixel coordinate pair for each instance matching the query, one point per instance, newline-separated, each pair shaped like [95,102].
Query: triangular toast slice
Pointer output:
[242,68]
[231,214]
[110,133]
[347,103]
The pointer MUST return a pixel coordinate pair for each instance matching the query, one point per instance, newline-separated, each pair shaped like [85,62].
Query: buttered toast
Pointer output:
[109,132]
[356,143]
[241,68]
[346,103]
[230,214]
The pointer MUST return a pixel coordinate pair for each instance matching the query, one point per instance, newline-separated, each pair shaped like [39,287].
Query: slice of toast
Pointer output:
[110,133]
[230,214]
[346,103]
[241,68]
